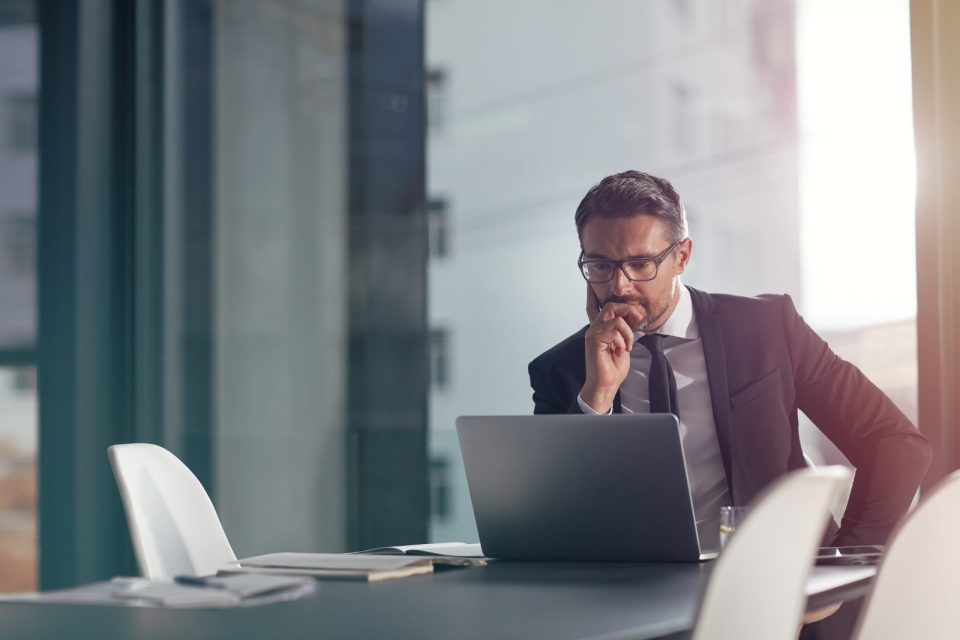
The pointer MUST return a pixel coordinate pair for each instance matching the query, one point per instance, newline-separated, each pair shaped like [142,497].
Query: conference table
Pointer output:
[501,600]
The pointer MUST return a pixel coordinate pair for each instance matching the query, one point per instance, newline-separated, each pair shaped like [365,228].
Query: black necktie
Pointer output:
[663,385]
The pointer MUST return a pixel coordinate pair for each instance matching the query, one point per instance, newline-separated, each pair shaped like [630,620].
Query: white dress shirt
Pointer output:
[683,348]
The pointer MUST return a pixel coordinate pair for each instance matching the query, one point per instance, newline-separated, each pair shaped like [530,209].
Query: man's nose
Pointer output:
[620,283]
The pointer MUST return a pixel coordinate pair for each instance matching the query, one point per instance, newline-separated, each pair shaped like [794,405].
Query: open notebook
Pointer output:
[451,549]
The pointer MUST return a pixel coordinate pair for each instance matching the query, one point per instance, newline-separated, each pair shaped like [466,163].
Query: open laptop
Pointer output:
[581,488]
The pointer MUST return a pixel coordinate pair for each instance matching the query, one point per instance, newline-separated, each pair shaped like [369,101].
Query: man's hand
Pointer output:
[608,343]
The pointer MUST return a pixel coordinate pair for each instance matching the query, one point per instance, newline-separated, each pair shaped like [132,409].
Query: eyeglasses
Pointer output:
[597,271]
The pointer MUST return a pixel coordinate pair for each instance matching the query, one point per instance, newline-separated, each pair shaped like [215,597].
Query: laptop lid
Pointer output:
[580,487]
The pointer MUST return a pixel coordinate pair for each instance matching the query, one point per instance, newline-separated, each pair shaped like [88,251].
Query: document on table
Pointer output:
[350,566]
[451,549]
[215,592]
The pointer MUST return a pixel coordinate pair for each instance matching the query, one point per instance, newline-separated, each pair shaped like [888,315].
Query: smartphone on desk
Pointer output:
[862,554]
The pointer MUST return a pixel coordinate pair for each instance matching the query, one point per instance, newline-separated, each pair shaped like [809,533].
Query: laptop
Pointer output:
[582,488]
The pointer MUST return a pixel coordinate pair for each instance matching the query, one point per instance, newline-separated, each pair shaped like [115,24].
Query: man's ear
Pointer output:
[684,251]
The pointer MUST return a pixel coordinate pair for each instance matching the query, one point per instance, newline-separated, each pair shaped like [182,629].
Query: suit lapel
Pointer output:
[711,335]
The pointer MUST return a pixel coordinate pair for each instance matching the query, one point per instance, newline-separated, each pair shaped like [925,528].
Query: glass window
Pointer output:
[857,188]
[774,130]
[21,244]
[438,221]
[278,250]
[299,237]
[22,122]
[18,478]
[436,90]
[439,358]
[19,83]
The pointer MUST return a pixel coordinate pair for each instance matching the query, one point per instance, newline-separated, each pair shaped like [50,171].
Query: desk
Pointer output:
[502,600]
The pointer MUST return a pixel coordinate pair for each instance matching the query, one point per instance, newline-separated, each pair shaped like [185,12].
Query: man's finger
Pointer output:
[626,333]
[613,310]
[615,332]
[630,312]
[618,343]
[635,316]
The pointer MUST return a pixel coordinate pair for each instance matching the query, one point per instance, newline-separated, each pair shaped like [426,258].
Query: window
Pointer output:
[437,221]
[255,275]
[683,108]
[19,84]
[436,99]
[25,380]
[22,123]
[313,116]
[439,359]
[440,487]
[18,480]
[20,239]
[756,116]
[872,324]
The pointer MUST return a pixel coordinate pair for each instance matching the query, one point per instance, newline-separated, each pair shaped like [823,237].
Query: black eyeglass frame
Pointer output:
[620,263]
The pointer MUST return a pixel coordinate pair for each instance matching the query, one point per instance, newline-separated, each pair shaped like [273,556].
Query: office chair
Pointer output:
[915,592]
[756,590]
[173,525]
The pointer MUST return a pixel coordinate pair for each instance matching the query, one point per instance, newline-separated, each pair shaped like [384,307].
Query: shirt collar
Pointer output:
[682,323]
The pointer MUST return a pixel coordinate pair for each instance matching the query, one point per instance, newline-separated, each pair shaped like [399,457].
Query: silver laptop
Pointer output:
[582,488]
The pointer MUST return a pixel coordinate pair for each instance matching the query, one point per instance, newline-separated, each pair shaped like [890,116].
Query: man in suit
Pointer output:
[735,370]
[741,367]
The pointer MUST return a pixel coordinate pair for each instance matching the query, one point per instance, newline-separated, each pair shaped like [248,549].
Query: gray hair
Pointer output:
[634,193]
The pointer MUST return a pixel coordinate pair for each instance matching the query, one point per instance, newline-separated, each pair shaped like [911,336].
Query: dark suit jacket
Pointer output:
[764,363]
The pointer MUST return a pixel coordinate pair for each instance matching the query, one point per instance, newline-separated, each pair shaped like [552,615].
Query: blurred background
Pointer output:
[293,240]
[792,150]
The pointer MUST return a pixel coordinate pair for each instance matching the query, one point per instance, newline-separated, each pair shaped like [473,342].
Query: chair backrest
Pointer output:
[756,589]
[918,582]
[173,525]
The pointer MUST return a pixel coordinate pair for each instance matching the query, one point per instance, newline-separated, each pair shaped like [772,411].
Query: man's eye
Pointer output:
[601,267]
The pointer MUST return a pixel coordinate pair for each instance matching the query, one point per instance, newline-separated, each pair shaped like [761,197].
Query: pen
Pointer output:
[198,581]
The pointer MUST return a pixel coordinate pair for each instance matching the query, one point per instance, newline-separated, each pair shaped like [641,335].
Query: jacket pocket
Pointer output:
[767,384]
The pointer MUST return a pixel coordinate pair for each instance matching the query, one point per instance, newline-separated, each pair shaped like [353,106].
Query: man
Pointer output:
[735,370]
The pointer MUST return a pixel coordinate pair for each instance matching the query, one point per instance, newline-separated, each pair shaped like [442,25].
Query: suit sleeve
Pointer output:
[889,453]
[548,392]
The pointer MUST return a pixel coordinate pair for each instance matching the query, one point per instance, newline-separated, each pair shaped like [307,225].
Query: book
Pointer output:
[450,549]
[348,566]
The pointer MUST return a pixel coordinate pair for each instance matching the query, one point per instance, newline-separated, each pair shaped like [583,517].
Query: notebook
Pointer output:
[454,549]
[346,566]
[581,488]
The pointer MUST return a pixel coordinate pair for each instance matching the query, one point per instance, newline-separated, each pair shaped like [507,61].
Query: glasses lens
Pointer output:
[646,270]
[597,271]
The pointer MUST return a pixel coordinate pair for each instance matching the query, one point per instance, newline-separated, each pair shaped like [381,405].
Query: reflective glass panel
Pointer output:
[19,89]
[775,131]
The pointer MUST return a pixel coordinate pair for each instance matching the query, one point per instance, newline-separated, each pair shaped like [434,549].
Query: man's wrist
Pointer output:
[599,401]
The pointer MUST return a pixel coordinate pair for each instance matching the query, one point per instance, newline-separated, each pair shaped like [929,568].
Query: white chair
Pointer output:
[915,593]
[756,589]
[173,525]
